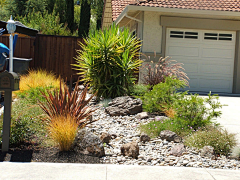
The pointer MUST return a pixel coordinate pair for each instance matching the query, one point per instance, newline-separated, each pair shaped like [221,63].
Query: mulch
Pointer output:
[28,153]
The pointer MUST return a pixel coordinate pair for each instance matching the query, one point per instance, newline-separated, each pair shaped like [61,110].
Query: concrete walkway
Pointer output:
[230,118]
[44,171]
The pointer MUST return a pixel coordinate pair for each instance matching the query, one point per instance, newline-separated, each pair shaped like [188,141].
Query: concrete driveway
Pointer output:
[230,118]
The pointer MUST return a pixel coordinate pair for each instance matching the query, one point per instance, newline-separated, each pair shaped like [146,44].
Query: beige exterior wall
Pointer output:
[152,32]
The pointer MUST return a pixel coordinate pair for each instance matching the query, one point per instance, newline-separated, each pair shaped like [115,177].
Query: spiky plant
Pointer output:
[154,73]
[108,61]
[62,102]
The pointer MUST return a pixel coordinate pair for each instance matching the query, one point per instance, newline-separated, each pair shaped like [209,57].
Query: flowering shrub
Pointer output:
[219,139]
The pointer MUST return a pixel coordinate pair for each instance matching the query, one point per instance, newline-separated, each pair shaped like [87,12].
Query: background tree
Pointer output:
[16,7]
[70,14]
[85,15]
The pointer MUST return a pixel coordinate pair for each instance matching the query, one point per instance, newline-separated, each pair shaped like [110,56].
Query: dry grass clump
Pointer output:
[63,129]
[219,139]
[170,112]
[38,78]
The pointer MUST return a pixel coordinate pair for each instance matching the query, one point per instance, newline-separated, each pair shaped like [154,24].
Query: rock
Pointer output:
[113,136]
[142,115]
[177,150]
[125,105]
[207,151]
[130,149]
[88,143]
[170,136]
[161,118]
[105,137]
[144,138]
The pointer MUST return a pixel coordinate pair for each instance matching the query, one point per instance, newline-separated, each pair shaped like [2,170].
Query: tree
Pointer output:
[97,9]
[85,16]
[16,7]
[70,14]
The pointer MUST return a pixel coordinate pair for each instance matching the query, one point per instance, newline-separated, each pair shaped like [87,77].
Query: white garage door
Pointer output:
[208,57]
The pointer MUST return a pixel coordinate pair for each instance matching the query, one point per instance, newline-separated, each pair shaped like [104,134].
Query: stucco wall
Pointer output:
[152,32]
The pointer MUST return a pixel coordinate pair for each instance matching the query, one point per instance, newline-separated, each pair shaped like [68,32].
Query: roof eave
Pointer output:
[175,10]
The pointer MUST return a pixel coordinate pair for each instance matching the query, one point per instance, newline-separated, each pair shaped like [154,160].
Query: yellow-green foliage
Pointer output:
[219,139]
[63,129]
[38,78]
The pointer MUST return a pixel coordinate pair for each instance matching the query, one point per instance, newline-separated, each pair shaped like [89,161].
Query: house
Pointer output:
[21,30]
[204,35]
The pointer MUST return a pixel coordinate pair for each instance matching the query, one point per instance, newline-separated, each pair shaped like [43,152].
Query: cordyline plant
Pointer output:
[155,73]
[61,102]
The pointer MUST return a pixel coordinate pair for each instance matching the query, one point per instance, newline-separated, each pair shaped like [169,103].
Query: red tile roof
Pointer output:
[214,5]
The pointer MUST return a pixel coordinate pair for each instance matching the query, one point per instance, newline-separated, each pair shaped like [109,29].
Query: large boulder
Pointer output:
[130,149]
[88,143]
[125,105]
[170,136]
[177,150]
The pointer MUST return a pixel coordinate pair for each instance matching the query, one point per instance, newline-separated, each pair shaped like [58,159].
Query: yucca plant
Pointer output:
[62,102]
[108,61]
[154,73]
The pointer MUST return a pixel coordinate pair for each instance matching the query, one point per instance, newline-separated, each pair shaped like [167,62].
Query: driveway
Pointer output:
[230,118]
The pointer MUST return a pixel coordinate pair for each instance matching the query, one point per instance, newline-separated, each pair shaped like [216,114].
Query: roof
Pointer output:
[214,5]
[20,28]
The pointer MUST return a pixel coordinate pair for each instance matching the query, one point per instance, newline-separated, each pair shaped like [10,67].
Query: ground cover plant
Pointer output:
[108,60]
[214,136]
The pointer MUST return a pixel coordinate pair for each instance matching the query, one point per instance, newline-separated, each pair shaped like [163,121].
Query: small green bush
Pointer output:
[33,94]
[20,131]
[139,90]
[196,112]
[154,128]
[219,139]
[163,95]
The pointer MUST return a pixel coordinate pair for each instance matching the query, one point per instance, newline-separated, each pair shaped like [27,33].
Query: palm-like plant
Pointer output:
[61,102]
[108,61]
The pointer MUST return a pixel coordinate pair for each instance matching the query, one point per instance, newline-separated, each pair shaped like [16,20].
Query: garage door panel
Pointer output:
[208,59]
[183,51]
[216,69]
[218,85]
[217,53]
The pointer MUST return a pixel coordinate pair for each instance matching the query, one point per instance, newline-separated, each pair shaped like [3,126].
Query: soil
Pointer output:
[29,153]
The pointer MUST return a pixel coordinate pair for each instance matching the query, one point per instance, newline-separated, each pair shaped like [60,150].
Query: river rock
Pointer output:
[130,149]
[88,143]
[177,150]
[170,136]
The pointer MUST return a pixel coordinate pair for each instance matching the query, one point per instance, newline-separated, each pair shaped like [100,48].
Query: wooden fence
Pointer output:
[52,53]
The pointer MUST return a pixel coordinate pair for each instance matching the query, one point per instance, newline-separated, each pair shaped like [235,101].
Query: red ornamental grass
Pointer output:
[61,102]
[156,73]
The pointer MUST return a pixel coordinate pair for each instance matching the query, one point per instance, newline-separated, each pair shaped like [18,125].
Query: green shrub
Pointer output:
[20,131]
[194,111]
[219,139]
[108,61]
[139,90]
[163,95]
[154,128]
[33,94]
